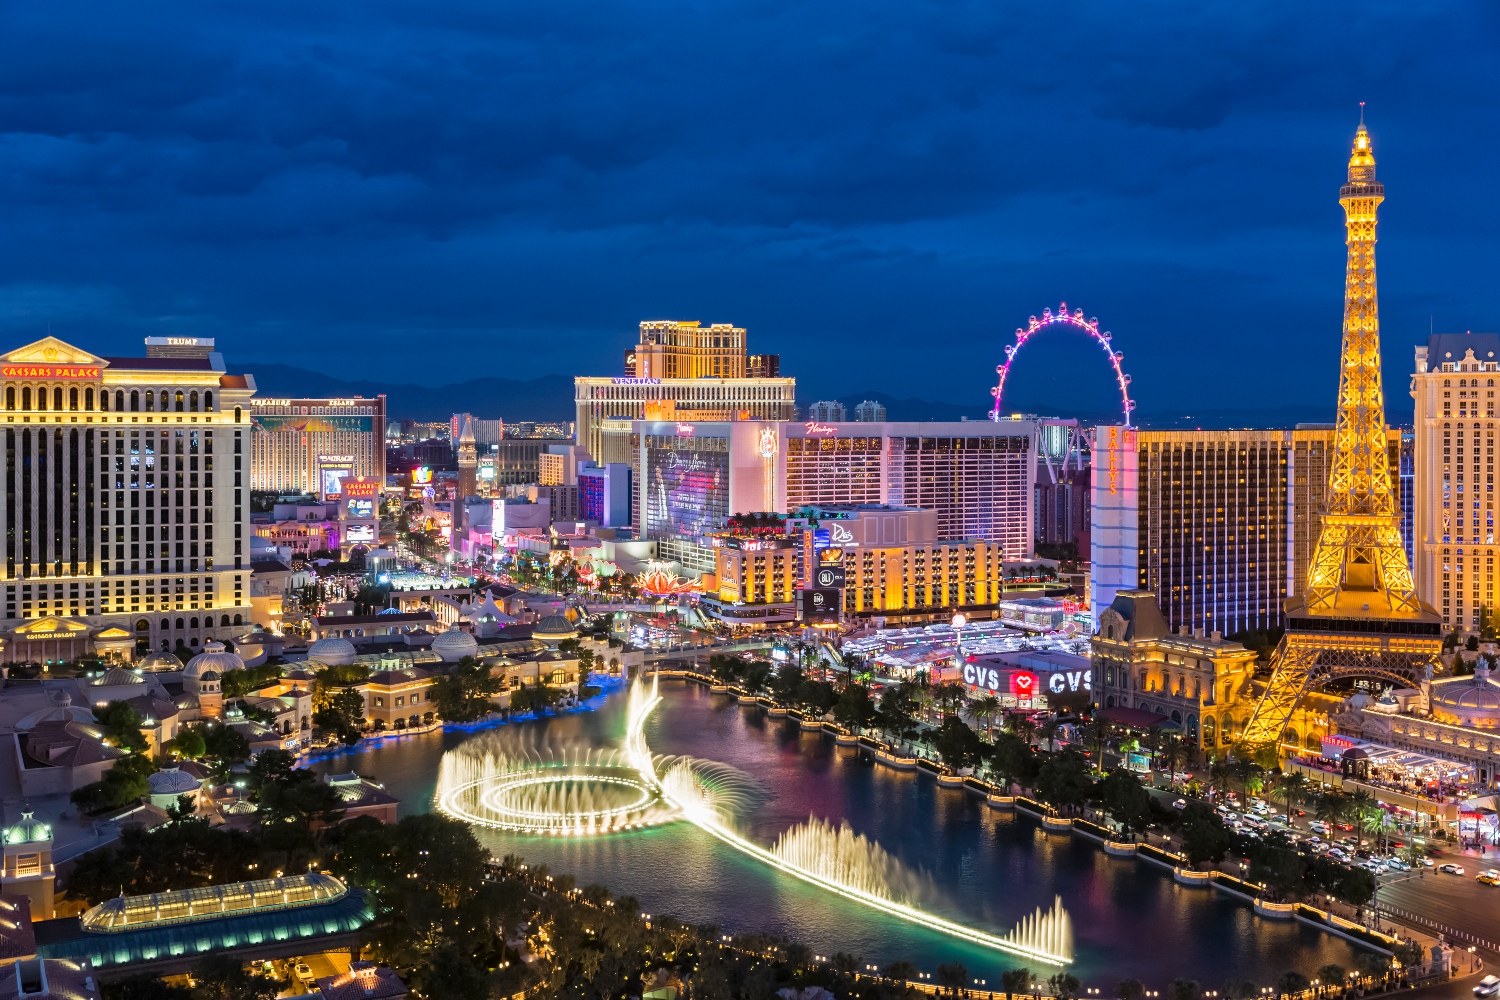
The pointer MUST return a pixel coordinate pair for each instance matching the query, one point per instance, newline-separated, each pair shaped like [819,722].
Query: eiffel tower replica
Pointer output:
[1359,615]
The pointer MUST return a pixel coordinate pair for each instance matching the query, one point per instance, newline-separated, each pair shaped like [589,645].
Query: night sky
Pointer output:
[879,191]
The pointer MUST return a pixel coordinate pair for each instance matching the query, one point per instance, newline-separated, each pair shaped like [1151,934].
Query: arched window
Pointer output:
[1176,716]
[236,414]
[165,401]
[150,401]
[26,398]
[88,399]
[1210,732]
[208,402]
[223,621]
[1447,383]
[143,626]
[41,397]
[193,623]
[166,623]
[193,401]
[73,398]
[237,620]
[1314,742]
[10,397]
[57,398]
[135,401]
[1291,737]
[179,401]
[179,623]
[1192,727]
[104,399]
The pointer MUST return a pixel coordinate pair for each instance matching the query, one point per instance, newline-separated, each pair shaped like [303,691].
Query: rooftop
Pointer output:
[183,905]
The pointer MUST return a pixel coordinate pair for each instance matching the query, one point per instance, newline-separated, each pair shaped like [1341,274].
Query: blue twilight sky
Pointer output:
[880,191]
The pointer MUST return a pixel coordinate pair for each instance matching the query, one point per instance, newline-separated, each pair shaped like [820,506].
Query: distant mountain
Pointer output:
[547,398]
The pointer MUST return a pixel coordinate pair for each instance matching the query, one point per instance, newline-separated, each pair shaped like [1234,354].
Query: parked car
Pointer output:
[1451,869]
[304,973]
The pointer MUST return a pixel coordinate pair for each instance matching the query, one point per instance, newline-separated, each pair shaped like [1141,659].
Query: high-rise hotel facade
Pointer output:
[126,500]
[308,445]
[680,370]
[1453,387]
[1219,525]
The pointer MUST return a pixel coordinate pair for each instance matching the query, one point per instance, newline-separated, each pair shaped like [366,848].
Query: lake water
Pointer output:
[980,866]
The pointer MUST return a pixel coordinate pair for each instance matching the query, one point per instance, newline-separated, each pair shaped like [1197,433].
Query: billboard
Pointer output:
[361,508]
[332,480]
[819,605]
[362,488]
[320,424]
[359,533]
[829,577]
[688,496]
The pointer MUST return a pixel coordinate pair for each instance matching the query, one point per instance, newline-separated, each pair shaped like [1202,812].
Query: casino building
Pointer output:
[309,445]
[125,500]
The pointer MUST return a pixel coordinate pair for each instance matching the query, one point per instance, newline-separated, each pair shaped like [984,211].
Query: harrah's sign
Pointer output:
[50,371]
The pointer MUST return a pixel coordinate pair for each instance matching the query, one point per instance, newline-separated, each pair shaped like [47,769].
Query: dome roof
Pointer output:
[214,659]
[27,830]
[1473,700]
[171,781]
[454,644]
[159,660]
[333,651]
[554,627]
[60,709]
[116,676]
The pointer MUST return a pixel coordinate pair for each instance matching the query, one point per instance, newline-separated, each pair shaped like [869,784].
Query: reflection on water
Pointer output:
[984,867]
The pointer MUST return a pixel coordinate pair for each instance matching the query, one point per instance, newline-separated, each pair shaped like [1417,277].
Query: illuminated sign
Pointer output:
[813,427]
[819,605]
[421,474]
[766,446]
[1024,683]
[361,487]
[829,577]
[637,381]
[50,371]
[840,535]
[361,508]
[685,430]
[820,539]
[359,533]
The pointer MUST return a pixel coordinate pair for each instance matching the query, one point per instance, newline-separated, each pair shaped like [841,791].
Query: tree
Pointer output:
[1014,981]
[122,726]
[1063,985]
[1293,789]
[343,713]
[452,974]
[985,708]
[899,971]
[1292,982]
[896,717]
[145,986]
[816,697]
[269,766]
[1013,760]
[222,977]
[188,743]
[1130,989]
[1205,838]
[854,710]
[786,684]
[1126,801]
[957,744]
[1332,974]
[952,975]
[123,783]
[1184,989]
[463,694]
[1064,780]
[536,698]
[1277,864]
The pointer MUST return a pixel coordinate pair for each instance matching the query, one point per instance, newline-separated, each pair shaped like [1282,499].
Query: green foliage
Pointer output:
[816,697]
[534,698]
[1063,985]
[182,854]
[1013,759]
[957,744]
[1130,989]
[1278,865]
[1292,982]
[1127,802]
[786,684]
[1064,780]
[1021,980]
[123,783]
[144,987]
[343,713]
[855,709]
[463,694]
[1184,989]
[188,743]
[1205,838]
[223,977]
[122,726]
[270,766]
[239,683]
[290,804]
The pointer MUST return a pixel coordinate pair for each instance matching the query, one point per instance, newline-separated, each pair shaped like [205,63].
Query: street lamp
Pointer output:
[959,621]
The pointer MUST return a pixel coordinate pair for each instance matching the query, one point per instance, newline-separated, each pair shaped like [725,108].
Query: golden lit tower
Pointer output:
[1359,614]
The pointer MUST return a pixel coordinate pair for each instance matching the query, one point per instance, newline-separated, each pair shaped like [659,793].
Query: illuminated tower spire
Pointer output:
[1360,554]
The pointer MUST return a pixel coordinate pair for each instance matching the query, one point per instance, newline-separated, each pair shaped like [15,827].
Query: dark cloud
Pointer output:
[880,191]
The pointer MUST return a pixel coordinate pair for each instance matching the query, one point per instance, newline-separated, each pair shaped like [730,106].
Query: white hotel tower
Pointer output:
[125,507]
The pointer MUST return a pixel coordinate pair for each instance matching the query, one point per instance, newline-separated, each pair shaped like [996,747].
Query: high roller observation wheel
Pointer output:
[1074,319]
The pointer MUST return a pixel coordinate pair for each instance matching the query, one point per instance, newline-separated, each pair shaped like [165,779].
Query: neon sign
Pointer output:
[840,535]
[813,427]
[50,371]
[637,381]
[685,430]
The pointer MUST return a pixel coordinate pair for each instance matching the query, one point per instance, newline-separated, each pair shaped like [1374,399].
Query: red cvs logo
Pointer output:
[1023,684]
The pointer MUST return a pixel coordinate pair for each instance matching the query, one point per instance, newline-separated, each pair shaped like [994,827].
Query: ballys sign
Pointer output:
[1024,683]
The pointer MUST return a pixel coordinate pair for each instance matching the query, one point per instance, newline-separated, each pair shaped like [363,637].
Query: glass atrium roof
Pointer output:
[207,902]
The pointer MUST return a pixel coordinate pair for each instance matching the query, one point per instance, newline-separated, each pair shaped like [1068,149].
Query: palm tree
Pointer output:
[985,707]
[1220,773]
[1293,791]
[1049,732]
[1357,807]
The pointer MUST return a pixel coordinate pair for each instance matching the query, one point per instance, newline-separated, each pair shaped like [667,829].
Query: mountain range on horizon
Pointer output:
[550,398]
